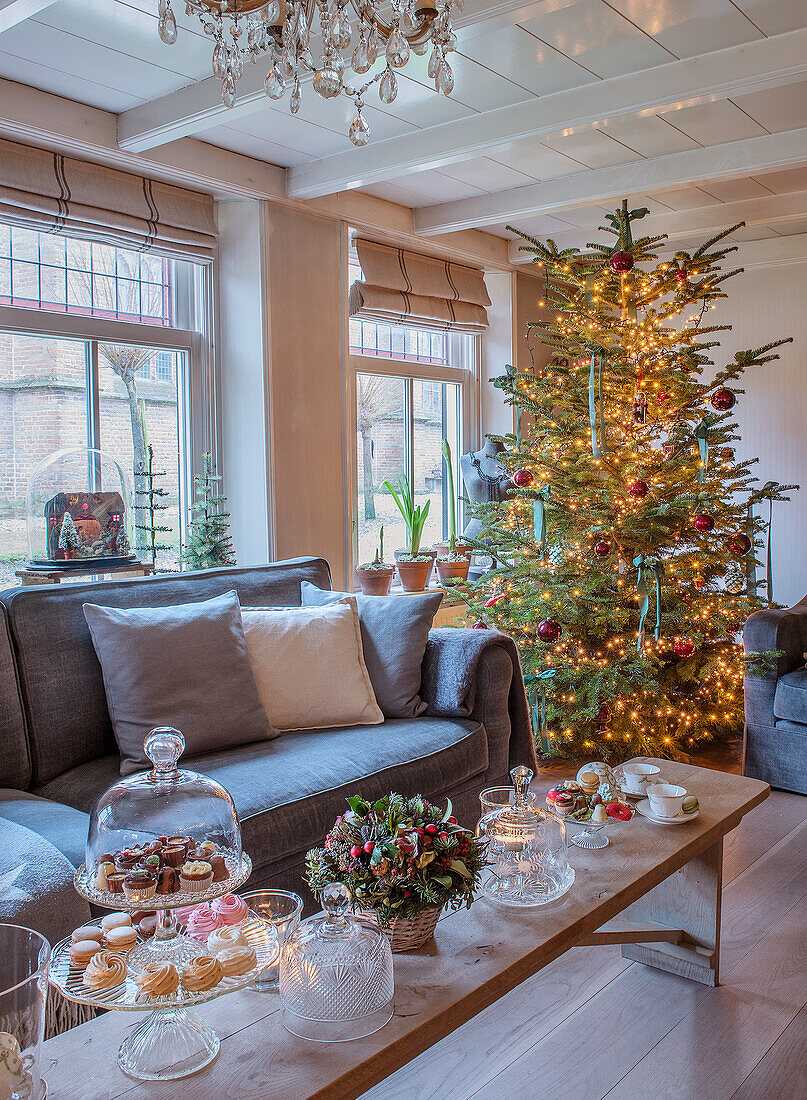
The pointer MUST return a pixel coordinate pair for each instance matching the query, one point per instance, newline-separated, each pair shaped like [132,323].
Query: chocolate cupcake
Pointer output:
[152,863]
[128,858]
[174,855]
[220,872]
[185,842]
[140,884]
[168,882]
[196,876]
[114,882]
[154,848]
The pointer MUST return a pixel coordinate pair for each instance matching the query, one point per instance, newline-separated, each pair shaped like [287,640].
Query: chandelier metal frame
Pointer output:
[243,30]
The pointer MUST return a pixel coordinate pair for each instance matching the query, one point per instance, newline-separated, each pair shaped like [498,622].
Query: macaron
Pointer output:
[690,804]
[564,804]
[82,951]
[116,920]
[121,938]
[87,932]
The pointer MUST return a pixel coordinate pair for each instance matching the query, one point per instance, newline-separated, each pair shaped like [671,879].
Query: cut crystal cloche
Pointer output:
[336,978]
[527,846]
[185,817]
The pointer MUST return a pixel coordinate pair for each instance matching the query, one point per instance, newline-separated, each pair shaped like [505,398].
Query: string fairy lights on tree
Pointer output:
[621,571]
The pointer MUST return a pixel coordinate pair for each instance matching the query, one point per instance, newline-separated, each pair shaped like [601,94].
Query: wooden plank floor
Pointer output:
[594,1025]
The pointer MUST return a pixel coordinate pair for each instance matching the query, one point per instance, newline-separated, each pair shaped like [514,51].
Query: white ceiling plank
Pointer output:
[689,27]
[13,12]
[768,152]
[763,64]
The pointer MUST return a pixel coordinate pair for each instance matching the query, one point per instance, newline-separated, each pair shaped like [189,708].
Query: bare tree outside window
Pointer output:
[375,400]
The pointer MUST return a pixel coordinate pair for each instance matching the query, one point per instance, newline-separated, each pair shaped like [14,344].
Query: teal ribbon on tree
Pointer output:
[750,561]
[595,390]
[702,436]
[539,709]
[647,565]
[539,516]
[768,490]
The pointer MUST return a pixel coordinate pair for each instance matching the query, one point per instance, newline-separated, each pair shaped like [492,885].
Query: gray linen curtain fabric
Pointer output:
[45,191]
[419,291]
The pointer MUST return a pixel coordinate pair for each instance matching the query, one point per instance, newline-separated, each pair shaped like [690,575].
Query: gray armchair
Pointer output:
[776,701]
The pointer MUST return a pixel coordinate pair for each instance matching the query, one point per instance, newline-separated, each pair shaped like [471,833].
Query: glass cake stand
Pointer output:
[171,1042]
[590,836]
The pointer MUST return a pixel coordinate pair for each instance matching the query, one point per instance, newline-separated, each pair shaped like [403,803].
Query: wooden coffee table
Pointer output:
[663,883]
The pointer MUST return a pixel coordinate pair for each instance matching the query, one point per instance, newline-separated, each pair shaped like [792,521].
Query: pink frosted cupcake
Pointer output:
[202,922]
[230,909]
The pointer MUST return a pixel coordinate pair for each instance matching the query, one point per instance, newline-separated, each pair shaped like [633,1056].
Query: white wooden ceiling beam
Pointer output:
[765,153]
[764,210]
[13,12]
[754,66]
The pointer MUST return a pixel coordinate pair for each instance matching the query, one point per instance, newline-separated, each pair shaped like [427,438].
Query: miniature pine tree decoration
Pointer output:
[208,545]
[630,508]
[69,540]
[149,496]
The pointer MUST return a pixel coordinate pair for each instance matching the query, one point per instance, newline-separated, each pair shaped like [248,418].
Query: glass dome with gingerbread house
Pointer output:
[79,511]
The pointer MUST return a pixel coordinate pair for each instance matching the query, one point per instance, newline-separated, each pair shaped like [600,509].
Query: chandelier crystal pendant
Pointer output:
[243,30]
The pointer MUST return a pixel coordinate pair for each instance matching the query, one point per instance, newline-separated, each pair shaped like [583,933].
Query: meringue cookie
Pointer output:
[237,960]
[223,938]
[230,909]
[202,973]
[158,979]
[105,970]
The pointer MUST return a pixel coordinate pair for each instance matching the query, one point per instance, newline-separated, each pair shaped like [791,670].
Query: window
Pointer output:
[413,388]
[91,355]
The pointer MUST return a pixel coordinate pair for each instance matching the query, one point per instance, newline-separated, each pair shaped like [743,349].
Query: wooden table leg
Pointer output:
[690,899]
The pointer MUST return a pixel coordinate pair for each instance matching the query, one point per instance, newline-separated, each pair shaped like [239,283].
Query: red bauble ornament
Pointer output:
[739,544]
[522,478]
[621,262]
[479,625]
[683,647]
[548,630]
[703,522]
[494,600]
[722,400]
[662,397]
[727,453]
[681,275]
[699,582]
[639,489]
[602,548]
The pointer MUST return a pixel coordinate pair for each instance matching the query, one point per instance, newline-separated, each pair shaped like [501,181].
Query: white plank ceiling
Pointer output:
[712,73]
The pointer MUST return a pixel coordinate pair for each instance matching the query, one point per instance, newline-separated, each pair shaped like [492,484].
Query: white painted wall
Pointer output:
[768,302]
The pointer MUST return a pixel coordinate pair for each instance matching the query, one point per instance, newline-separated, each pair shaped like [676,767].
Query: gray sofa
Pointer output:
[776,701]
[59,753]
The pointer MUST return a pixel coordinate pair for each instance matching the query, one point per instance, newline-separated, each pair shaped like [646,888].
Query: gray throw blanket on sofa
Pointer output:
[450,679]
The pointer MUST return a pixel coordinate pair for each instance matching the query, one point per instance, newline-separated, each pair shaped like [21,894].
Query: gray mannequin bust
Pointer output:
[484,479]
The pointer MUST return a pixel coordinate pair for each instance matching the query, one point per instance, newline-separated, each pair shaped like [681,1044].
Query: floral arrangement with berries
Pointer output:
[397,856]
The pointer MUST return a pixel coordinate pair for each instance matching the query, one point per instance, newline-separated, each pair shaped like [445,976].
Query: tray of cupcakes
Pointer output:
[99,963]
[167,872]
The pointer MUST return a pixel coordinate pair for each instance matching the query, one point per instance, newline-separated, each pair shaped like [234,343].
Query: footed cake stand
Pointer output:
[590,836]
[171,1042]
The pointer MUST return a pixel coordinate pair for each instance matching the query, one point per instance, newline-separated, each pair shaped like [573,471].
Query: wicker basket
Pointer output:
[409,933]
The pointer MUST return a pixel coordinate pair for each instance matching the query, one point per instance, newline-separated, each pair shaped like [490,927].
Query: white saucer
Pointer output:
[630,794]
[643,808]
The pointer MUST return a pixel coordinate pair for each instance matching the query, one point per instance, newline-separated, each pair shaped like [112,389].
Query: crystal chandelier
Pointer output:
[242,30]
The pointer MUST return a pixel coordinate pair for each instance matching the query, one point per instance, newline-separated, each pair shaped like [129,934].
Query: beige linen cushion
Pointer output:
[309,666]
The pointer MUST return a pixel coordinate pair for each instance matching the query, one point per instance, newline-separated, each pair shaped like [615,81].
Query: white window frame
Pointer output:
[467,353]
[197,413]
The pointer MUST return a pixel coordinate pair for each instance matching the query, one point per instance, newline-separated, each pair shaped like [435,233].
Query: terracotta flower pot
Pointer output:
[460,547]
[414,574]
[375,582]
[453,570]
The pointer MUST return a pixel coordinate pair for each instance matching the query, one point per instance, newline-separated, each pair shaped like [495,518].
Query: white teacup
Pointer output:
[666,799]
[636,776]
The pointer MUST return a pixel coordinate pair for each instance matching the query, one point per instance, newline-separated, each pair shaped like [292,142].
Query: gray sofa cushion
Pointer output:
[289,791]
[15,762]
[62,826]
[185,666]
[394,632]
[790,700]
[63,689]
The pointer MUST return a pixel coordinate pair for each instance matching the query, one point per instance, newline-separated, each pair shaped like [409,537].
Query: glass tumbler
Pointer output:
[24,962]
[281,909]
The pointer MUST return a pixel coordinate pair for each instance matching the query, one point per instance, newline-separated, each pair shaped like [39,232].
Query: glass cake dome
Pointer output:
[178,817]
[80,511]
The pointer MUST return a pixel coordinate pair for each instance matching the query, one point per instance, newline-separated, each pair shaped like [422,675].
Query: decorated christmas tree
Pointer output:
[625,556]
[208,544]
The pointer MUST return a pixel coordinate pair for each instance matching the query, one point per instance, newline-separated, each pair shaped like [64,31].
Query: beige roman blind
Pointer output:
[55,194]
[416,290]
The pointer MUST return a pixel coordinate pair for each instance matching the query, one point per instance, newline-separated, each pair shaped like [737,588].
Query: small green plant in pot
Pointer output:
[453,564]
[375,577]
[414,564]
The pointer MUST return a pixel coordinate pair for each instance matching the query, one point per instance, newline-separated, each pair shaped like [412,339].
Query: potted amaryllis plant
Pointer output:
[414,564]
[452,563]
[375,577]
[402,860]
